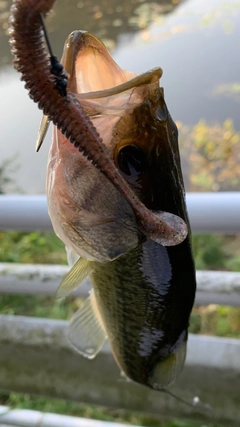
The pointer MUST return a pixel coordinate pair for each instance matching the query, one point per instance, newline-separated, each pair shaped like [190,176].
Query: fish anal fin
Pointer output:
[85,331]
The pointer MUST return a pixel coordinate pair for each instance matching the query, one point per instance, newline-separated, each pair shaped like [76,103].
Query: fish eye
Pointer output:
[131,160]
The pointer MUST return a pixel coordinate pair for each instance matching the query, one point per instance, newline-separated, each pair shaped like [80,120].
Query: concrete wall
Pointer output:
[35,358]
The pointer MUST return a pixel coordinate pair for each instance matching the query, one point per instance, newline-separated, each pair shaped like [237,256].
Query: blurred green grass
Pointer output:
[25,401]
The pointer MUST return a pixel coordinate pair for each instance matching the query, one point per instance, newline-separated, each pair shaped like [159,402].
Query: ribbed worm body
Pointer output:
[33,62]
[69,116]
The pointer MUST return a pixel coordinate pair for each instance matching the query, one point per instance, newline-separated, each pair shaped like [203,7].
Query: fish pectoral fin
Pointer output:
[90,219]
[81,269]
[166,371]
[72,257]
[44,125]
[85,332]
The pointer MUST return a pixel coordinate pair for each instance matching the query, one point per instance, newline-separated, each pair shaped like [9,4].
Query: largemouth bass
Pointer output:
[122,212]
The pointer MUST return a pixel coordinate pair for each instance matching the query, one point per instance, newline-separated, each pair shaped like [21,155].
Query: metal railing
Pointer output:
[208,212]
[35,356]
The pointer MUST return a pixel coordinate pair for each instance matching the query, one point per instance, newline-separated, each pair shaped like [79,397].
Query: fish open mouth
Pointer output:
[107,92]
[93,73]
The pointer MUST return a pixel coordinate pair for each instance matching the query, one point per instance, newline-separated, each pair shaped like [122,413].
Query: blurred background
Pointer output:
[196,42]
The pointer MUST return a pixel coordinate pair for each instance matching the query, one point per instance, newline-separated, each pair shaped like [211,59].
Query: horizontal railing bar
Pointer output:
[38,332]
[30,418]
[214,287]
[36,358]
[24,213]
[208,212]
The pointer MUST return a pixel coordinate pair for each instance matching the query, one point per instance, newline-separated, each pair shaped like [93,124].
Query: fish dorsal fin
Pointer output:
[85,332]
[81,269]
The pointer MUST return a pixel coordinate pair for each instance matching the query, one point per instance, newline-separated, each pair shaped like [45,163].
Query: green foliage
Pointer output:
[39,306]
[216,252]
[233,254]
[216,320]
[25,401]
[36,247]
[209,251]
[210,156]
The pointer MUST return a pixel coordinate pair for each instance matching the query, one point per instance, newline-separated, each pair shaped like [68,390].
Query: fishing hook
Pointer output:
[60,75]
